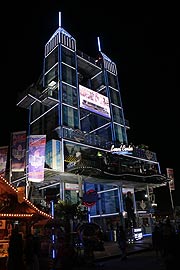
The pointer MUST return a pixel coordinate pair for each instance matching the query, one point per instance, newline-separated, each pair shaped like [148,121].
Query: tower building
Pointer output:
[77,106]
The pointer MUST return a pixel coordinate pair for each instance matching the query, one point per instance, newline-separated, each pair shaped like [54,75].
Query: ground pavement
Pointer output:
[111,250]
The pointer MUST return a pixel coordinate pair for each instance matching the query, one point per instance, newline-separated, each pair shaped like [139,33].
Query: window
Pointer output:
[120,133]
[112,80]
[51,75]
[69,95]
[69,75]
[51,59]
[68,57]
[117,115]
[70,117]
[115,97]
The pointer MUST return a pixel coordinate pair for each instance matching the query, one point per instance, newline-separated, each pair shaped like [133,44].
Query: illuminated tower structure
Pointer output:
[77,105]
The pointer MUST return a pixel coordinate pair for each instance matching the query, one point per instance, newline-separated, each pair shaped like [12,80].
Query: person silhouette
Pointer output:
[15,251]
[122,241]
[129,207]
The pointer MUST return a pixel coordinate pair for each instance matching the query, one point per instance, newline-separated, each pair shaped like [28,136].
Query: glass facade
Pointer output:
[79,133]
[65,68]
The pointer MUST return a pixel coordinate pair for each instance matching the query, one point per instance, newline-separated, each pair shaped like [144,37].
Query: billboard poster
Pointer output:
[170,175]
[18,151]
[36,158]
[94,101]
[3,159]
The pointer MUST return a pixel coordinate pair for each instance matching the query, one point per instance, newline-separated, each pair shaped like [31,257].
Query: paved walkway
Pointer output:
[112,248]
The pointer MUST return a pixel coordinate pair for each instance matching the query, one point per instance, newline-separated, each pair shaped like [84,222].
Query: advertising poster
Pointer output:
[37,145]
[94,101]
[18,151]
[3,159]
[170,175]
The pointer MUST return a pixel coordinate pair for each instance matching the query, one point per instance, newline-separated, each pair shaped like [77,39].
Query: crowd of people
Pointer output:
[166,243]
[23,255]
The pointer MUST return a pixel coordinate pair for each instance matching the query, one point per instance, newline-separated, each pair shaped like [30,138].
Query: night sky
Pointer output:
[144,46]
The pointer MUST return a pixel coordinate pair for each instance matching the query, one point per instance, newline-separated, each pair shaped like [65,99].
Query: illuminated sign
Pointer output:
[122,150]
[138,233]
[94,102]
[71,186]
[90,198]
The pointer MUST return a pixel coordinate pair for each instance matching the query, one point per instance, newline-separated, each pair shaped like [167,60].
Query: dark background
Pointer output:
[142,41]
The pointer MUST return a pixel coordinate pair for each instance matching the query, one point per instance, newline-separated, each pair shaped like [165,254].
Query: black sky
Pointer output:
[143,44]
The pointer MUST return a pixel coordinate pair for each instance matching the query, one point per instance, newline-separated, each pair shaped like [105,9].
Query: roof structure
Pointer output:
[15,206]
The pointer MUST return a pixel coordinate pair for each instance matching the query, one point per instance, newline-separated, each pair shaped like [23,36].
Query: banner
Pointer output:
[36,160]
[18,151]
[3,159]
[170,175]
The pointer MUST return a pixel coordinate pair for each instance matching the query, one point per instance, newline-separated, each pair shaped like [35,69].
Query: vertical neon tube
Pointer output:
[99,45]
[53,235]
[89,216]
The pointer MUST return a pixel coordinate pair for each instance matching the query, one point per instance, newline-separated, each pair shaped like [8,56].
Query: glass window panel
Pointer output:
[51,59]
[53,93]
[115,97]
[112,80]
[119,133]
[108,204]
[69,75]
[50,122]
[117,115]
[97,83]
[69,95]
[68,57]
[70,117]
[52,75]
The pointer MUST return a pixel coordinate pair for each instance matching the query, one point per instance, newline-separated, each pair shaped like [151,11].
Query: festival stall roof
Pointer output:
[15,206]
